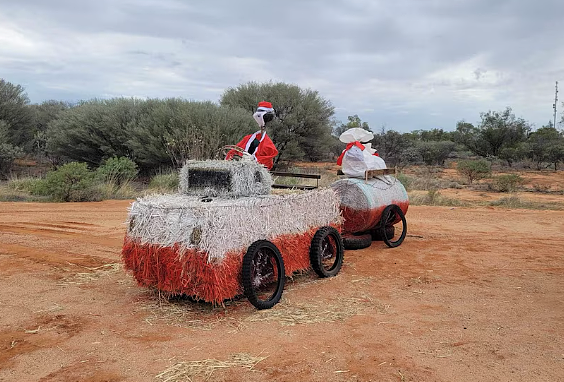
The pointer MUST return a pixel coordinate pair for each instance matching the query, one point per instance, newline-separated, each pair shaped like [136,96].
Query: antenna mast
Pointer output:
[555,103]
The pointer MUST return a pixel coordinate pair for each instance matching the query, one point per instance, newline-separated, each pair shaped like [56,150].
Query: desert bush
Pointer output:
[72,182]
[302,127]
[506,183]
[8,152]
[434,198]
[32,186]
[405,180]
[435,152]
[164,183]
[117,171]
[537,187]
[109,190]
[426,182]
[516,202]
[473,169]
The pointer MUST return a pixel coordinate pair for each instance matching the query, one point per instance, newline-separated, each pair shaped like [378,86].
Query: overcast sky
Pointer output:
[405,64]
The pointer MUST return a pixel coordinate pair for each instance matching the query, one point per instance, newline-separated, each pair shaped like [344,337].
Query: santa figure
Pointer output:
[259,145]
[359,156]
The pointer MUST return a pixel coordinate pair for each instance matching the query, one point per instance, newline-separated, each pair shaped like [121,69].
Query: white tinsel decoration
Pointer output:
[247,178]
[361,194]
[223,225]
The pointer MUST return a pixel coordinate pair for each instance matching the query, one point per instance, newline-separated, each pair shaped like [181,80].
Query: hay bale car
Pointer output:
[226,234]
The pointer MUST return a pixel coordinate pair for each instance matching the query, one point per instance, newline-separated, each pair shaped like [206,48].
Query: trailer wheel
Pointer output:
[377,236]
[392,216]
[326,252]
[357,241]
[263,274]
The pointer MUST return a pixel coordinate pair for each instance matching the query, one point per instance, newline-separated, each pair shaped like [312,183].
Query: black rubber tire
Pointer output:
[256,256]
[326,244]
[389,216]
[377,236]
[357,241]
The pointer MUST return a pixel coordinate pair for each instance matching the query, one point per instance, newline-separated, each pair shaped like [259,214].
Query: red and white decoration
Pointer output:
[266,151]
[180,244]
[358,157]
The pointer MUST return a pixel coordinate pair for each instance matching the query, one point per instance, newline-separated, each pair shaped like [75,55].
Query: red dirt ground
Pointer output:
[473,294]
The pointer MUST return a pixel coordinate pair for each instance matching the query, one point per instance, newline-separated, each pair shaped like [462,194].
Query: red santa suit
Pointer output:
[258,145]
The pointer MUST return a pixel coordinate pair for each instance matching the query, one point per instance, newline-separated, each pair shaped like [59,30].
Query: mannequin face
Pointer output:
[262,117]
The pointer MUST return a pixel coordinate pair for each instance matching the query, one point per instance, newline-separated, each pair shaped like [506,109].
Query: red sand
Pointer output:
[473,294]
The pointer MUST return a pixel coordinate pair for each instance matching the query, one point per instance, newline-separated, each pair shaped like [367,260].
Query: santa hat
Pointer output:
[265,104]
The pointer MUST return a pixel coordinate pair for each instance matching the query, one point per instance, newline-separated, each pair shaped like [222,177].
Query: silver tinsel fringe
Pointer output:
[223,225]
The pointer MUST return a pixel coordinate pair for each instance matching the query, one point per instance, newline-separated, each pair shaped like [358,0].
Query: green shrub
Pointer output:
[32,186]
[108,190]
[117,171]
[425,182]
[507,183]
[473,169]
[165,183]
[405,180]
[8,154]
[72,182]
[434,198]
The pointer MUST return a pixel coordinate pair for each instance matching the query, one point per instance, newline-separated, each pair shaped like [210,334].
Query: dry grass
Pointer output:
[434,198]
[182,311]
[204,369]
[9,193]
[110,190]
[289,313]
[93,274]
[516,202]
[186,313]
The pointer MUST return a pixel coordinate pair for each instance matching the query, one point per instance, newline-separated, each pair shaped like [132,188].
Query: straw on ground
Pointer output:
[203,370]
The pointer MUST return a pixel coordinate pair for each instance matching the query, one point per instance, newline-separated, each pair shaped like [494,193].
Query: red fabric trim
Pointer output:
[265,104]
[172,270]
[266,151]
[349,146]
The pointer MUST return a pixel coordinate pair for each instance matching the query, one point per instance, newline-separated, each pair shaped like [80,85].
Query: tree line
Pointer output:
[163,133]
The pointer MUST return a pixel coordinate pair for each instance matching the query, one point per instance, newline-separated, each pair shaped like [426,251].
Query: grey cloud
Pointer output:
[412,62]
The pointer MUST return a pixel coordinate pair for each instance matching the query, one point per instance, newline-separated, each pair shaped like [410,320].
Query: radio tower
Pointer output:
[555,103]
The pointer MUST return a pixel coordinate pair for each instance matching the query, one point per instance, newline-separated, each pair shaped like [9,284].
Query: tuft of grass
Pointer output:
[425,183]
[506,183]
[537,187]
[7,195]
[31,186]
[516,202]
[111,190]
[22,190]
[434,198]
[37,190]
[164,183]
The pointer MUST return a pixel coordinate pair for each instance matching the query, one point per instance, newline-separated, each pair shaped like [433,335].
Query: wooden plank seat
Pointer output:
[369,174]
[296,175]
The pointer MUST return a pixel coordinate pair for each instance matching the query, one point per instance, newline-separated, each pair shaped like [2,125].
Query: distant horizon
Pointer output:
[340,117]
